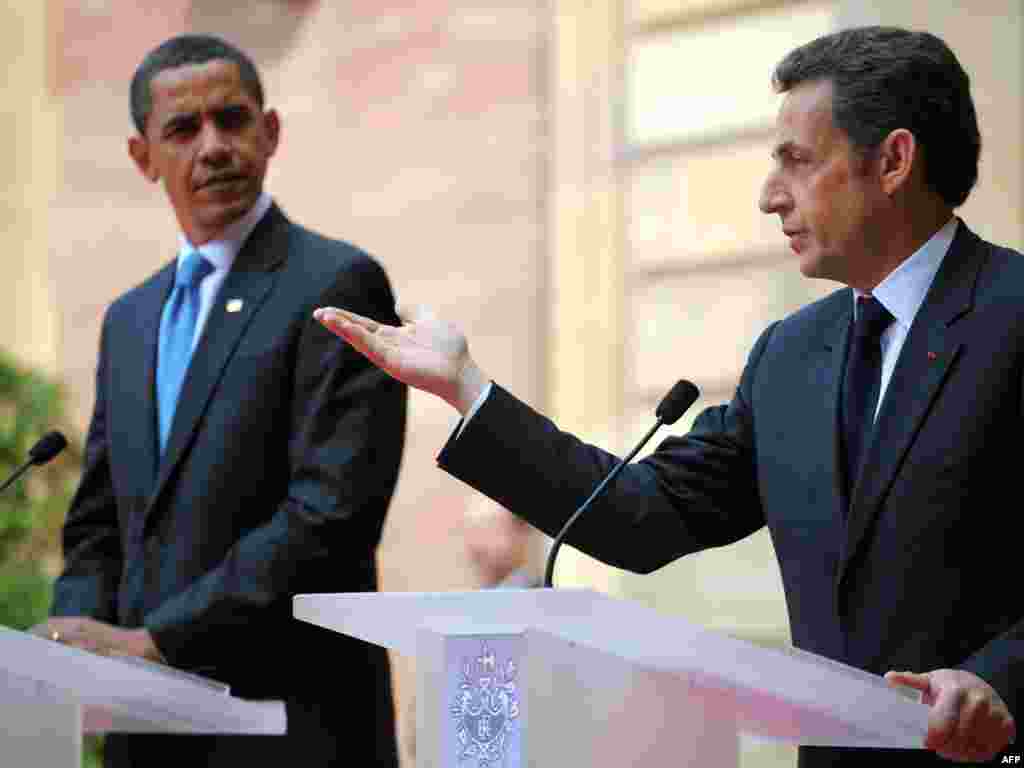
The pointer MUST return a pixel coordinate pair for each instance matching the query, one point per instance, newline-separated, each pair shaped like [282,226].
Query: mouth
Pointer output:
[220,182]
[796,239]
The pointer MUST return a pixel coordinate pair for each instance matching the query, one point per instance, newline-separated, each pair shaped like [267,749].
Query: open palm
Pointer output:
[425,352]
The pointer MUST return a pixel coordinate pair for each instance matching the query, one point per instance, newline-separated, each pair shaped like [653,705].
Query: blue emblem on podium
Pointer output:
[485,708]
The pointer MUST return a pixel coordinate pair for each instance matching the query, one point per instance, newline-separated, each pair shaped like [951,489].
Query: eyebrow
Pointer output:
[179,117]
[185,117]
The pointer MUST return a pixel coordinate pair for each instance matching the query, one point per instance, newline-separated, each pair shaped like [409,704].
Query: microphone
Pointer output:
[48,446]
[672,406]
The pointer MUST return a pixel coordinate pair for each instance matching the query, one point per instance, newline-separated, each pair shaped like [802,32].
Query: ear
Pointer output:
[272,126]
[138,148]
[897,157]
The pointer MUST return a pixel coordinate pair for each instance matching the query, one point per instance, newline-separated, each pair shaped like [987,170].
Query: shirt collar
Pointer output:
[903,290]
[221,252]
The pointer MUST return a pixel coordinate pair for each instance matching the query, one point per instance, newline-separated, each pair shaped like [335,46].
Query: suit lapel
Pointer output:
[836,339]
[136,384]
[927,357]
[247,285]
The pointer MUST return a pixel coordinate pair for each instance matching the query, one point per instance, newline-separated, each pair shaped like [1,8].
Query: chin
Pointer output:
[222,215]
[818,271]
[810,267]
[815,264]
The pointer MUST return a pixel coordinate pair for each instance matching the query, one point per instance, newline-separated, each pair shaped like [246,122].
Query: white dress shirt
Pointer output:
[902,292]
[221,254]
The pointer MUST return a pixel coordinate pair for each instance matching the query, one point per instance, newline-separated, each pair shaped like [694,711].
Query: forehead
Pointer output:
[194,87]
[805,116]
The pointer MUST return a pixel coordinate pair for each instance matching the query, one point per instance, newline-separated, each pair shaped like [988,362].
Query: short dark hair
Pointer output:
[886,78]
[179,52]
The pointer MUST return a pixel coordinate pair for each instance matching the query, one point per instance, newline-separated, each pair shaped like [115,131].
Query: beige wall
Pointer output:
[29,173]
[986,36]
[701,270]
[414,130]
[485,154]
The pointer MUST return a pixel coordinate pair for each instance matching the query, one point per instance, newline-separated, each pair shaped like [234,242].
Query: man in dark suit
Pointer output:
[238,453]
[868,428]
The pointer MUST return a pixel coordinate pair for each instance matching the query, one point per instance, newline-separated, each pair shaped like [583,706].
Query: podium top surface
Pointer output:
[135,694]
[787,677]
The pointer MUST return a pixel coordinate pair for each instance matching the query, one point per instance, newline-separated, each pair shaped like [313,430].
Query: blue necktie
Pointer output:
[863,381]
[177,328]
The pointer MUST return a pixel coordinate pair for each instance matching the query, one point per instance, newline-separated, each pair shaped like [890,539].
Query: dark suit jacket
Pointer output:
[919,570]
[279,468]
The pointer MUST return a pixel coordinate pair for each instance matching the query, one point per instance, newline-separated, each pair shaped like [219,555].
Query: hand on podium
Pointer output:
[99,637]
[967,721]
[425,352]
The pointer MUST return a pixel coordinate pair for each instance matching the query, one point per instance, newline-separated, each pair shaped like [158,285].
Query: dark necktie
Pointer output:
[862,382]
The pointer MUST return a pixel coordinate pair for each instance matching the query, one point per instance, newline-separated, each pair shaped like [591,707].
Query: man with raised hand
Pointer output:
[869,429]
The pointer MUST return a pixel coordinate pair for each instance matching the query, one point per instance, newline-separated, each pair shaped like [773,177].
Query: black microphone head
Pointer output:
[48,446]
[675,403]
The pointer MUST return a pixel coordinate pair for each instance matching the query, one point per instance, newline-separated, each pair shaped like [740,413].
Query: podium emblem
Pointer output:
[485,709]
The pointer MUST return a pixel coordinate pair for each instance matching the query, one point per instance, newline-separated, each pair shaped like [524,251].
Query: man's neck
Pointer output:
[898,238]
[237,229]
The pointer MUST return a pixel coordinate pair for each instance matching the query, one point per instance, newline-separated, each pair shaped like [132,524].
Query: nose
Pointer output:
[214,147]
[774,197]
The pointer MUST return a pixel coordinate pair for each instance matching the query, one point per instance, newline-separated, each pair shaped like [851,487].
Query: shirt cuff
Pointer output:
[473,409]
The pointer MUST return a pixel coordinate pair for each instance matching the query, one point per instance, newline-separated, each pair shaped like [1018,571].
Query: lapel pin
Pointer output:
[932,356]
[234,305]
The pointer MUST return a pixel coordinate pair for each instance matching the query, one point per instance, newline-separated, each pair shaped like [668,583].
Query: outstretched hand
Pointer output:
[424,352]
[968,721]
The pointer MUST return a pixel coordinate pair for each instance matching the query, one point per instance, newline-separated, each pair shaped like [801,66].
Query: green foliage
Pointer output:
[32,510]
[24,595]
[92,752]
[27,403]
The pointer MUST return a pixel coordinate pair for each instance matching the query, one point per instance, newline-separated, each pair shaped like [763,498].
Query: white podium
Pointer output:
[568,677]
[51,693]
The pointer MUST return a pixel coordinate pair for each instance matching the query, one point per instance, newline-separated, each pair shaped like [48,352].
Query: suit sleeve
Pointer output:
[694,492]
[91,537]
[1000,662]
[347,432]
